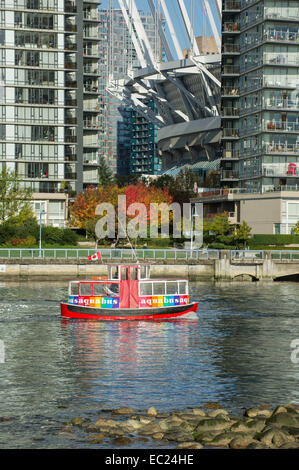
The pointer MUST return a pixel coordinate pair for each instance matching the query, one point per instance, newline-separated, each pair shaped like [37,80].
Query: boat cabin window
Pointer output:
[124,274]
[159,288]
[172,288]
[74,288]
[133,274]
[98,289]
[85,288]
[113,272]
[183,288]
[146,288]
[112,290]
[144,272]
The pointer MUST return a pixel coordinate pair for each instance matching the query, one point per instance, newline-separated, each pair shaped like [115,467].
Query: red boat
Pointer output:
[128,293]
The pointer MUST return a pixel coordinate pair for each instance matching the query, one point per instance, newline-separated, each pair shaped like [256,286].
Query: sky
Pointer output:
[175,14]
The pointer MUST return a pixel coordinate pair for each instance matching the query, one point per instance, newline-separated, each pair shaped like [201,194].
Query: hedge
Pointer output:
[278,240]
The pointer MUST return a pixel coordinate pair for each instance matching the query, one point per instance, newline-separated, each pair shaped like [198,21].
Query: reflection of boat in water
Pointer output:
[128,293]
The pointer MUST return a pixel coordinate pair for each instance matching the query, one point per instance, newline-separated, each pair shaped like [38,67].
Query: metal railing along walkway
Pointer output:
[108,253]
[144,254]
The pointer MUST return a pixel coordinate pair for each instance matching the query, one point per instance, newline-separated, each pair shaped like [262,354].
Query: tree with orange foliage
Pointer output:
[82,210]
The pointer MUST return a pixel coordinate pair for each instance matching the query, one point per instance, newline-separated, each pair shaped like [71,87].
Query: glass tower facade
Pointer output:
[49,92]
[260,95]
[123,143]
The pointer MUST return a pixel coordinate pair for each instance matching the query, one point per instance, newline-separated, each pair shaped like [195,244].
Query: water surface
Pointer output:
[235,351]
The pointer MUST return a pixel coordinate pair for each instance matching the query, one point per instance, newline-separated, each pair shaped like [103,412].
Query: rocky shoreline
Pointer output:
[210,426]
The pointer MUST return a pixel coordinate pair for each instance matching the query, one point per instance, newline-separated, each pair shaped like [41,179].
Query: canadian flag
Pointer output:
[94,257]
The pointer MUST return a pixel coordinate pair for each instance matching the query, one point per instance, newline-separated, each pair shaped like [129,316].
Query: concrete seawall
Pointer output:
[224,268]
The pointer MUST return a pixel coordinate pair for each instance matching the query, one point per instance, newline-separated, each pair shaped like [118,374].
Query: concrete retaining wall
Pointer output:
[219,269]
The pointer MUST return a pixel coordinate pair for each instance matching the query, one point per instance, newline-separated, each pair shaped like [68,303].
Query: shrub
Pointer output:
[23,242]
[52,235]
[280,240]
[69,237]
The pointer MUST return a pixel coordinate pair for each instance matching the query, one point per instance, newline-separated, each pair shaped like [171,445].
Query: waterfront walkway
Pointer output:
[196,265]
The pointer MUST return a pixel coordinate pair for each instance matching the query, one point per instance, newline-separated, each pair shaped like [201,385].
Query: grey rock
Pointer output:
[213,424]
[241,442]
[190,445]
[254,412]
[123,411]
[284,419]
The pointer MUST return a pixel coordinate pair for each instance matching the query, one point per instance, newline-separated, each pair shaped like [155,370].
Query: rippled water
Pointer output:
[235,351]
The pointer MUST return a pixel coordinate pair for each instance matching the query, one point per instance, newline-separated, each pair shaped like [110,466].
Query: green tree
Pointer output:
[104,173]
[242,233]
[15,201]
[296,228]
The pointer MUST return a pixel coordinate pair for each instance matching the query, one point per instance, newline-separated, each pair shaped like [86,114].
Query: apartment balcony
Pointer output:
[90,162]
[281,171]
[274,58]
[231,6]
[230,132]
[70,46]
[91,89]
[230,70]
[91,70]
[70,84]
[87,124]
[70,64]
[72,102]
[230,155]
[231,27]
[281,148]
[281,126]
[280,103]
[70,7]
[282,13]
[231,49]
[70,175]
[70,120]
[229,175]
[278,35]
[230,91]
[70,139]
[230,112]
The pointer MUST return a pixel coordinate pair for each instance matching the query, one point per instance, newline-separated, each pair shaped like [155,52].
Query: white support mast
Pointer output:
[178,48]
[188,27]
[213,24]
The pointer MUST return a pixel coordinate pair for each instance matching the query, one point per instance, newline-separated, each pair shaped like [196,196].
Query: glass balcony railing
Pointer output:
[230,112]
[230,132]
[231,5]
[274,58]
[279,35]
[232,27]
[231,48]
[281,126]
[286,12]
[229,174]
[230,91]
[280,148]
[230,70]
[281,103]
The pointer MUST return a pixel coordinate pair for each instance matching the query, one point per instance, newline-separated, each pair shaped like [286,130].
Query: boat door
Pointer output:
[129,297]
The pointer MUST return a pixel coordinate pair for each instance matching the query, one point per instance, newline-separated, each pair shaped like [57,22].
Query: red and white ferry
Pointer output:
[128,293]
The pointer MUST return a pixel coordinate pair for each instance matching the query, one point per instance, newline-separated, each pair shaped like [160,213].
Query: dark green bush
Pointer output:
[69,237]
[278,240]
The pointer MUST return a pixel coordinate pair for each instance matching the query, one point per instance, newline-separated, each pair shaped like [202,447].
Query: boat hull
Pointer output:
[91,313]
